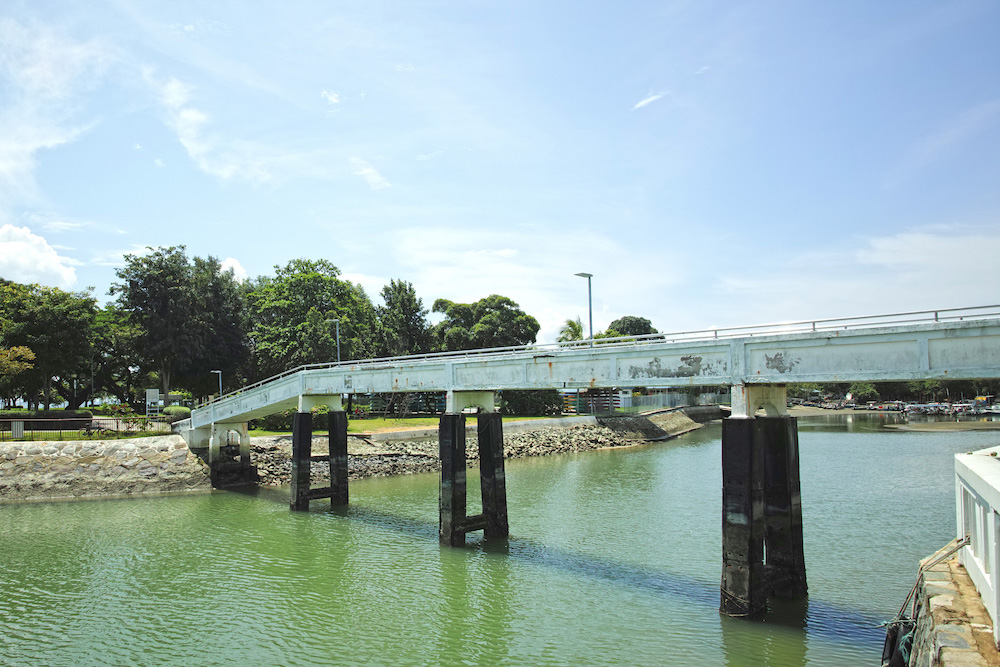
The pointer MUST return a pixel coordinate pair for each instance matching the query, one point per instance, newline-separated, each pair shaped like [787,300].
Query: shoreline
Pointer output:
[272,455]
[924,426]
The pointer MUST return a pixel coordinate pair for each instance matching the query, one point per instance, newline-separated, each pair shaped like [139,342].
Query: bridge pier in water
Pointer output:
[302,429]
[762,551]
[454,520]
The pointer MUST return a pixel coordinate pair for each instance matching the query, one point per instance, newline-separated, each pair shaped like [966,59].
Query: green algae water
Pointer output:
[614,558]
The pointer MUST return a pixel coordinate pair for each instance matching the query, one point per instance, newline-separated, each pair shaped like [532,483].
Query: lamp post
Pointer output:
[219,373]
[590,304]
[337,322]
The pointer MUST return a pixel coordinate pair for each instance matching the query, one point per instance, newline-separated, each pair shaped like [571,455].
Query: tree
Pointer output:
[13,361]
[571,330]
[495,321]
[863,391]
[118,364]
[158,293]
[55,325]
[632,325]
[403,326]
[289,314]
[221,321]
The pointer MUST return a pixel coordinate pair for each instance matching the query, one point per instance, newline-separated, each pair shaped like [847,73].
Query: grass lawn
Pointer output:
[381,424]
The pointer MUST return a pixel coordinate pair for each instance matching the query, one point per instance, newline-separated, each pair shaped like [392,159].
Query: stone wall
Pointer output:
[99,468]
[953,627]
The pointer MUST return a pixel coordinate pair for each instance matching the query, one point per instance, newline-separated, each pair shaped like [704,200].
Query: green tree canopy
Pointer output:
[632,325]
[495,321]
[403,325]
[157,291]
[55,325]
[118,365]
[190,316]
[222,323]
[570,330]
[863,391]
[289,314]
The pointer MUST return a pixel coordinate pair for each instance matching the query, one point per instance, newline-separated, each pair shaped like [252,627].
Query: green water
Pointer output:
[614,558]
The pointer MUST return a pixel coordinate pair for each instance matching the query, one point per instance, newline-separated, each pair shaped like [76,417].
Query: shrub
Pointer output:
[175,413]
[80,418]
[282,421]
[533,402]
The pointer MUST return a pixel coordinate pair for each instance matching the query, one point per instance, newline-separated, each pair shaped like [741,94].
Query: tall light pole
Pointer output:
[337,322]
[590,304]
[219,373]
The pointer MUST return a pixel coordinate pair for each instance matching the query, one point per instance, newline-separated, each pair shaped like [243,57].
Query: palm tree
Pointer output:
[571,330]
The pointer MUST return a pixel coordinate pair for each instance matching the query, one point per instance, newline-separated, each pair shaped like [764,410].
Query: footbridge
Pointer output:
[761,506]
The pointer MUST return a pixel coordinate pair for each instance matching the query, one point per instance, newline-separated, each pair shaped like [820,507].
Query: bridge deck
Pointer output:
[954,344]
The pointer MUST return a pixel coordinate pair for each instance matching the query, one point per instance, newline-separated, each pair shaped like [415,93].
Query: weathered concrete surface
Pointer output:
[99,469]
[953,628]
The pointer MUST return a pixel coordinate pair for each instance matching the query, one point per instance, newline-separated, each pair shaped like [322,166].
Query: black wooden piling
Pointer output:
[743,592]
[451,447]
[761,514]
[491,475]
[301,460]
[338,458]
[785,563]
[455,522]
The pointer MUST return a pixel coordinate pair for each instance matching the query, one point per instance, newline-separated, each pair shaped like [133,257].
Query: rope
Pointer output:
[743,603]
[911,600]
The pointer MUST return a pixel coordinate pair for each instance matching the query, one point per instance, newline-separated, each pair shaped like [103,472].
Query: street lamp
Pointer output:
[219,373]
[590,304]
[337,322]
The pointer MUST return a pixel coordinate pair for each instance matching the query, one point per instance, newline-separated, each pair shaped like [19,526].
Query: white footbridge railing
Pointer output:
[942,344]
[977,500]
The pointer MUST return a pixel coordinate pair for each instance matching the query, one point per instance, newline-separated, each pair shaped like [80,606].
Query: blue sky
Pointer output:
[711,163]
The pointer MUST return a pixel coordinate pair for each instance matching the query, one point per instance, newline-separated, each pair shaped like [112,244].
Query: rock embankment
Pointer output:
[273,456]
[99,468]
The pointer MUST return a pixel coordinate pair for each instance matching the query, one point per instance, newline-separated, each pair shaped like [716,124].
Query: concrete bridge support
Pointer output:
[761,504]
[229,464]
[454,520]
[302,458]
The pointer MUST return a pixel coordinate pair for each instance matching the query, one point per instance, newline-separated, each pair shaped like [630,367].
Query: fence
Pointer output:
[977,494]
[79,428]
[673,400]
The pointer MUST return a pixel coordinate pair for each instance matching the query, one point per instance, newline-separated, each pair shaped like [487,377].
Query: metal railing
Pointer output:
[719,333]
[977,488]
[100,428]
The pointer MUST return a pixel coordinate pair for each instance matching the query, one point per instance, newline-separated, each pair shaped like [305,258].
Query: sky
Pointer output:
[711,163]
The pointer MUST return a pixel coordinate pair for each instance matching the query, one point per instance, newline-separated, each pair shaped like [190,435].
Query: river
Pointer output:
[614,558]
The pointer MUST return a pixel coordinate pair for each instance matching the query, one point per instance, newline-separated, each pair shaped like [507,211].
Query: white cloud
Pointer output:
[926,269]
[330,96]
[64,226]
[158,162]
[430,156]
[28,258]
[371,284]
[44,64]
[116,258]
[958,251]
[199,27]
[239,273]
[374,179]
[224,157]
[44,70]
[937,145]
[647,101]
